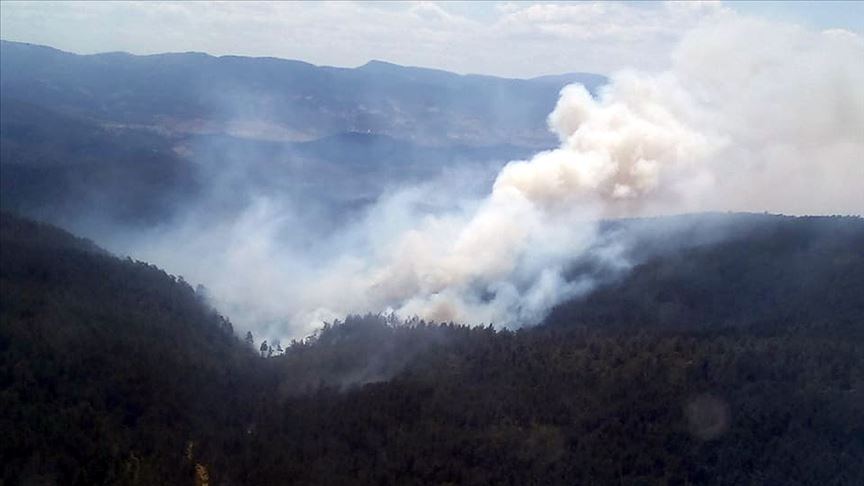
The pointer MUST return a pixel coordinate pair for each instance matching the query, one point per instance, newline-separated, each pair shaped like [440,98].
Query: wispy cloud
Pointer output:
[538,38]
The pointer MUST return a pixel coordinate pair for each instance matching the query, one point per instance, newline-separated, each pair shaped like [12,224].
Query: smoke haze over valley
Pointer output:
[435,224]
[431,243]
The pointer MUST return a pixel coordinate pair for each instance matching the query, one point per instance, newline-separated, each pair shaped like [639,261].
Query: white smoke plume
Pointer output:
[751,116]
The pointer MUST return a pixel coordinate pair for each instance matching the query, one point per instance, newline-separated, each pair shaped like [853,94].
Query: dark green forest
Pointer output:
[732,353]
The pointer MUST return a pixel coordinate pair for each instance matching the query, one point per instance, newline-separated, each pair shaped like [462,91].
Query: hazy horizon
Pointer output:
[706,109]
[539,38]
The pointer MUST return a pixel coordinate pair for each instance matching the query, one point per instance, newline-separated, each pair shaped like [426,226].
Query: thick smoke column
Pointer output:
[751,116]
[749,111]
[615,149]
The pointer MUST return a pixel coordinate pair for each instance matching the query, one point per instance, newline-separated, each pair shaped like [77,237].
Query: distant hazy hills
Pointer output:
[62,167]
[278,99]
[135,139]
[56,166]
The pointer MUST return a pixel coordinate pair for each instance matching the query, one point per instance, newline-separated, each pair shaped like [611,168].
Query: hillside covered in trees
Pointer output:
[735,356]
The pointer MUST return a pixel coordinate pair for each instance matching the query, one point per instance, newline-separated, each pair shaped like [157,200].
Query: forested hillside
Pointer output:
[106,366]
[744,271]
[711,362]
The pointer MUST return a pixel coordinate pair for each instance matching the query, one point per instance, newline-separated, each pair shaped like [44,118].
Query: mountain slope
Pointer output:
[64,168]
[745,271]
[288,100]
[107,367]
[114,372]
[60,167]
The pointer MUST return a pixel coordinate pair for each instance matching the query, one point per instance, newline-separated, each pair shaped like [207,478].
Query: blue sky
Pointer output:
[848,15]
[821,14]
[516,39]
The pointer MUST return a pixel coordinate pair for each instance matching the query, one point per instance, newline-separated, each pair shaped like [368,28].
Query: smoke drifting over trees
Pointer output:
[736,362]
[753,116]
[356,225]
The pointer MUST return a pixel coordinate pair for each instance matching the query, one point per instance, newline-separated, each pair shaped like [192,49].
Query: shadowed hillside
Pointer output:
[114,372]
[718,271]
[107,366]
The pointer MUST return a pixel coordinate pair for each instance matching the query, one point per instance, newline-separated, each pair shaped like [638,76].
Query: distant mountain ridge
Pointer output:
[284,99]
